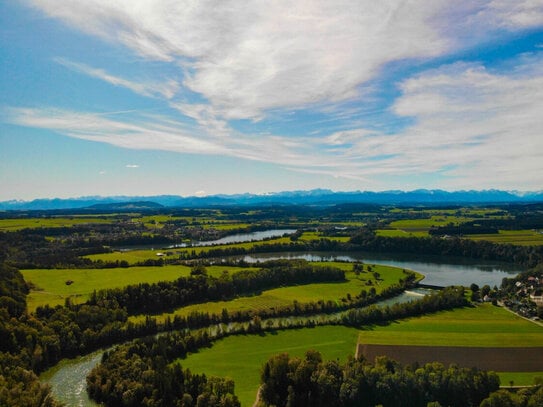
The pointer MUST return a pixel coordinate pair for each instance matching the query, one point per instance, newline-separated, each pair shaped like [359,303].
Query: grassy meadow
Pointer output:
[49,286]
[13,225]
[241,357]
[482,326]
[517,237]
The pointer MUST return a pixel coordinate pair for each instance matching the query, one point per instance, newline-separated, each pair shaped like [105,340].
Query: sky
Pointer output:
[150,97]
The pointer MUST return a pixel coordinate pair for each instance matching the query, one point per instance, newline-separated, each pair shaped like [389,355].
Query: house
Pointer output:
[537,297]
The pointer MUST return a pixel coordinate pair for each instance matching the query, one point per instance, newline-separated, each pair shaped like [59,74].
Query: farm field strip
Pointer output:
[483,325]
[13,225]
[517,237]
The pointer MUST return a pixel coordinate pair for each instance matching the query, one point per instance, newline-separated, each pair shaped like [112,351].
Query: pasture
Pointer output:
[13,225]
[516,237]
[49,286]
[241,357]
[482,326]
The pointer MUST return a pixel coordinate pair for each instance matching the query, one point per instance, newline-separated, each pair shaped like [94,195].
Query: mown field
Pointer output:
[241,357]
[49,286]
[517,237]
[12,225]
[435,218]
[285,296]
[481,326]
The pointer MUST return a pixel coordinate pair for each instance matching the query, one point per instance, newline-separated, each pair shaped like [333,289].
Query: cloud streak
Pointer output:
[166,90]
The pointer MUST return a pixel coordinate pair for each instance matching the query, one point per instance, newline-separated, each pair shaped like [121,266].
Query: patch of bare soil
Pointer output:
[497,359]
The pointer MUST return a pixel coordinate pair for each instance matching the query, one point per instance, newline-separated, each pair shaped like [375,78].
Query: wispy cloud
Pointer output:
[247,58]
[167,89]
[476,127]
[132,166]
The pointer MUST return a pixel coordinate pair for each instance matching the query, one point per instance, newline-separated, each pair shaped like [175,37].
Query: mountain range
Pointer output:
[310,197]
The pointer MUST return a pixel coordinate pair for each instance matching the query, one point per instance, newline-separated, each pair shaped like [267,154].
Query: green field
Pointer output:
[51,288]
[400,233]
[436,218]
[285,296]
[517,237]
[12,225]
[484,325]
[420,227]
[241,357]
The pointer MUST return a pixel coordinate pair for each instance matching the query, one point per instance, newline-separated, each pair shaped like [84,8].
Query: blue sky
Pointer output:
[145,97]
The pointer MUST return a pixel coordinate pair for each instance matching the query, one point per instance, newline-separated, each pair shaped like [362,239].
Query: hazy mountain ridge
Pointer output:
[310,197]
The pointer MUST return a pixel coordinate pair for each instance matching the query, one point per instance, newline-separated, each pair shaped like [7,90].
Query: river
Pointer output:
[440,271]
[68,378]
[237,238]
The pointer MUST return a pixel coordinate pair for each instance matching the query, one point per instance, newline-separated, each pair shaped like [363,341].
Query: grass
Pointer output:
[285,296]
[225,358]
[310,236]
[13,225]
[400,233]
[516,237]
[51,287]
[484,325]
[519,378]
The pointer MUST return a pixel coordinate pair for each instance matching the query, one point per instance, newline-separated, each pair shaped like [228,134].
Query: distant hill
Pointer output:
[311,197]
[125,206]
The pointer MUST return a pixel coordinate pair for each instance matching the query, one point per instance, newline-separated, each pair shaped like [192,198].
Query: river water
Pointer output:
[68,378]
[237,238]
[440,271]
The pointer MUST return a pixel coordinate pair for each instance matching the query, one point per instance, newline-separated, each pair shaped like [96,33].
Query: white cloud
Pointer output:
[254,60]
[246,58]
[475,127]
[132,166]
[168,89]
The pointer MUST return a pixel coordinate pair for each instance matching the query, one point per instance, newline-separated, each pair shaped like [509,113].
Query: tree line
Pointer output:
[141,374]
[199,287]
[296,382]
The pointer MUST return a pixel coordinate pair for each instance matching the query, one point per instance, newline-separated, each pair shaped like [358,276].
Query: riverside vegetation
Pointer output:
[145,372]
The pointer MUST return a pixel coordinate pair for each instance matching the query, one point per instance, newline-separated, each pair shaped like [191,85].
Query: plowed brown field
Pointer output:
[497,359]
